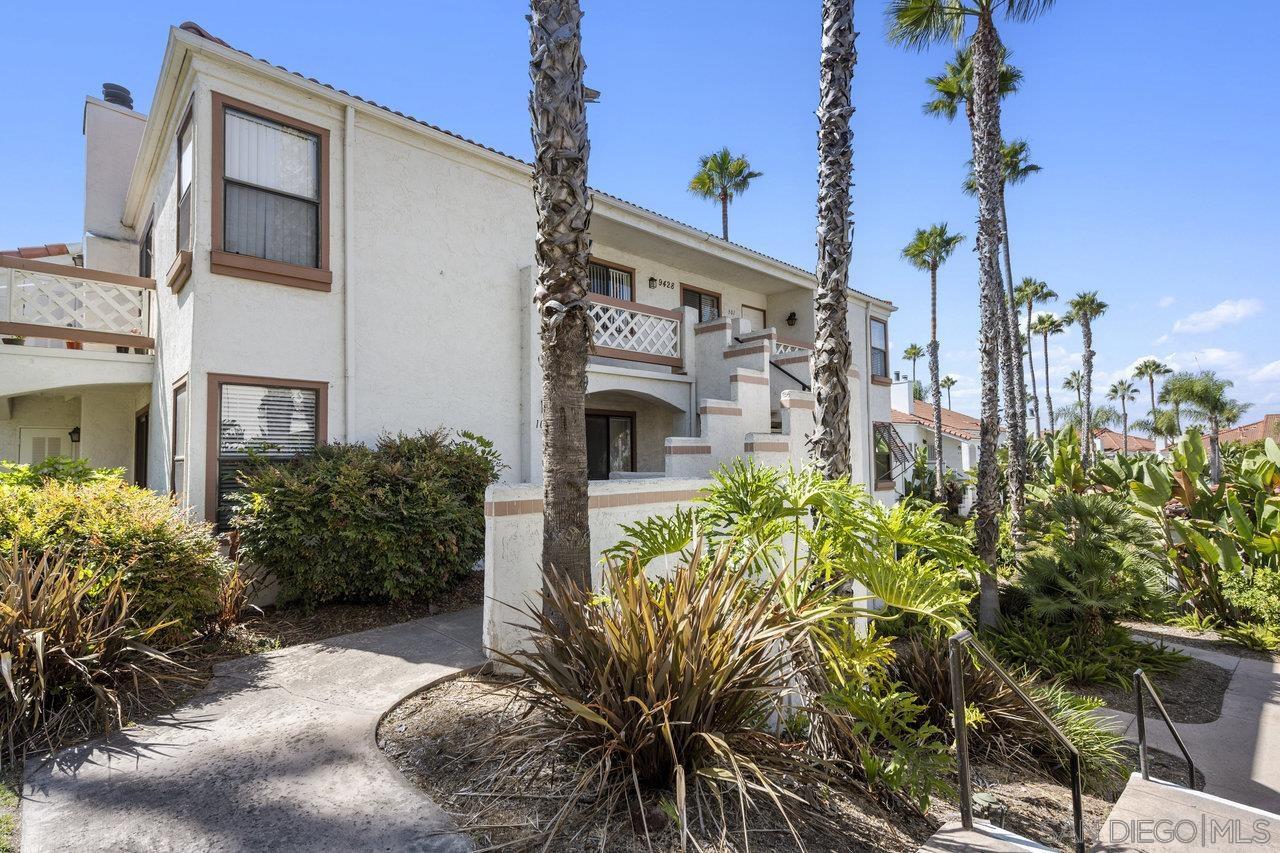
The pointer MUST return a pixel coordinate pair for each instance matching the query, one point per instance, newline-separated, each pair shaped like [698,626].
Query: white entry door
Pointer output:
[36,444]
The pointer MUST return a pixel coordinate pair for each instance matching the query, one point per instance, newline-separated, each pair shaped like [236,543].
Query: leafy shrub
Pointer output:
[1001,727]
[168,564]
[399,520]
[1251,635]
[71,650]
[60,468]
[1256,593]
[1061,654]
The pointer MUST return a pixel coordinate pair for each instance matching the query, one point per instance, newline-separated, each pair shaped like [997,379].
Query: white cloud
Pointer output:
[1224,313]
[1266,373]
[1163,339]
[1166,301]
[1204,359]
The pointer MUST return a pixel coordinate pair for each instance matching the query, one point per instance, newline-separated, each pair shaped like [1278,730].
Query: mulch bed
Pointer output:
[1210,640]
[1193,694]
[8,812]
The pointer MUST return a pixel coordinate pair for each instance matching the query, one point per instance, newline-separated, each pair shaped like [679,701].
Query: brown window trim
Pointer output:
[763,313]
[260,269]
[720,315]
[191,206]
[213,404]
[179,272]
[592,259]
[878,378]
[179,384]
[885,485]
[612,413]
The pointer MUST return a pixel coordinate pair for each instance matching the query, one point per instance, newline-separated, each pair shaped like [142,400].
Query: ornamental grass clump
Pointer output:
[72,652]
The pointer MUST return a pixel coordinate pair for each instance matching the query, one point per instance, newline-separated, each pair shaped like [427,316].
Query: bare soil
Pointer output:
[1211,640]
[1193,694]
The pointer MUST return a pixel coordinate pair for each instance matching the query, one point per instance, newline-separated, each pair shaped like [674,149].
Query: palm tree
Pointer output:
[913,353]
[722,176]
[1163,425]
[1124,392]
[1208,394]
[1045,325]
[947,383]
[559,127]
[1176,392]
[1075,382]
[830,441]
[1031,293]
[1149,369]
[1086,308]
[929,249]
[918,24]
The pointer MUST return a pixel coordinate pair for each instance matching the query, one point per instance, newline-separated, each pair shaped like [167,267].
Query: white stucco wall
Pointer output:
[39,411]
[112,135]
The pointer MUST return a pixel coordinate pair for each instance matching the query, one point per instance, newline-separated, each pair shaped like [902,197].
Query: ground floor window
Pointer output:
[883,457]
[260,419]
[706,303]
[610,443]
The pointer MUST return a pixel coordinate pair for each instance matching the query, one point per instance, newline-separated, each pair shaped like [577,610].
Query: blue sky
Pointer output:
[1154,122]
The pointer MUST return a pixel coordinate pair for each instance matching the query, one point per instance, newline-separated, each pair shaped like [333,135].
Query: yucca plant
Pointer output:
[71,652]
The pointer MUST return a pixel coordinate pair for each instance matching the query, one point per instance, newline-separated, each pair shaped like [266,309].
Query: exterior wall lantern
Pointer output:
[653,282]
[791,319]
[74,435]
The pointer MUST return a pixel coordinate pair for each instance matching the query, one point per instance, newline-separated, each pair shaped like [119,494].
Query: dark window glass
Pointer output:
[883,460]
[186,162]
[879,348]
[146,252]
[609,445]
[608,281]
[706,304]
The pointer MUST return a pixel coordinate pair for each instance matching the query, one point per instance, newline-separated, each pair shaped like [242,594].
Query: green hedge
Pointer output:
[169,564]
[403,519]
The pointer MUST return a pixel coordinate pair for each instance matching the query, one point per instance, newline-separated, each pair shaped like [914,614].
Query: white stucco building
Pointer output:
[913,422]
[270,262]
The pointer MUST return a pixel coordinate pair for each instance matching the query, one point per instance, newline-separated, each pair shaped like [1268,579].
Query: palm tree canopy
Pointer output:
[1151,368]
[1122,389]
[1208,395]
[1086,306]
[1031,291]
[1048,324]
[920,23]
[930,247]
[1165,424]
[947,381]
[722,175]
[1015,158]
[1177,389]
[913,352]
[1101,417]
[951,87]
[1074,381]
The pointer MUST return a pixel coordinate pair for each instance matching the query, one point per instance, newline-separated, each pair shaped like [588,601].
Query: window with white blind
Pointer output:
[181,417]
[706,304]
[607,280]
[186,162]
[272,190]
[879,348]
[261,421]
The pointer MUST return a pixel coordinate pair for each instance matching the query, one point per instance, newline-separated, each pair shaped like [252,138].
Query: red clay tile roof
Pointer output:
[1113,442]
[48,250]
[196,29]
[1268,427]
[954,423]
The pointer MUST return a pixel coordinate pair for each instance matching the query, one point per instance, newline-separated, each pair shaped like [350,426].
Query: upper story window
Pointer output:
[879,348]
[270,205]
[186,165]
[613,281]
[706,303]
[272,186]
[146,250]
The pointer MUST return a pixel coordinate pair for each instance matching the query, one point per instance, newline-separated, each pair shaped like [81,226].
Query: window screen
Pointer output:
[608,281]
[879,348]
[271,183]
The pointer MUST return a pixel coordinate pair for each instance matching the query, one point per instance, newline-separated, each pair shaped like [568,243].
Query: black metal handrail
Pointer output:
[780,369]
[957,644]
[1140,680]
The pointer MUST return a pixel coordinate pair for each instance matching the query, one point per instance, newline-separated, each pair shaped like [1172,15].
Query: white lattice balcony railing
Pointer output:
[44,300]
[782,347]
[635,332]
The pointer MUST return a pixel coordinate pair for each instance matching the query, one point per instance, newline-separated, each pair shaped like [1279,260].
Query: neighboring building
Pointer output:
[1110,442]
[1268,427]
[270,263]
[913,422]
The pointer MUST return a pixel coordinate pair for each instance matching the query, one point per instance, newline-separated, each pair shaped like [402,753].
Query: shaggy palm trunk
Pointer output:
[1048,395]
[1124,415]
[724,216]
[939,489]
[563,207]
[829,443]
[1031,363]
[1086,333]
[984,124]
[1015,351]
[1151,384]
[1215,451]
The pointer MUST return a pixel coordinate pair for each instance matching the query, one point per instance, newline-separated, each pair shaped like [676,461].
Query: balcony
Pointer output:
[631,331]
[55,302]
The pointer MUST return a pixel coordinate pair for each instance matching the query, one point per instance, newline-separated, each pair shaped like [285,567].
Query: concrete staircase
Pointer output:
[1151,816]
[746,406]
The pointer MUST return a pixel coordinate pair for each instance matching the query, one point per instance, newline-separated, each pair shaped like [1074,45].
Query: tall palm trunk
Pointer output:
[1048,395]
[1031,362]
[1124,416]
[935,384]
[563,206]
[984,122]
[1215,450]
[1010,362]
[1015,350]
[1086,333]
[724,216]
[1151,384]
[829,443]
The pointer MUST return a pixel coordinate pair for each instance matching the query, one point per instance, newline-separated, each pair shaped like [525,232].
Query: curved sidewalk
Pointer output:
[277,753]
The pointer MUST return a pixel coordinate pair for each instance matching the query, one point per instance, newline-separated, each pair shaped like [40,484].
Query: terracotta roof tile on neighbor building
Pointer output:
[954,423]
[1113,442]
[1268,427]
[48,250]
[200,31]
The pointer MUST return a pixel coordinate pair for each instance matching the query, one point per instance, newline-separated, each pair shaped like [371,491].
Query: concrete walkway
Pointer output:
[1239,753]
[277,754]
